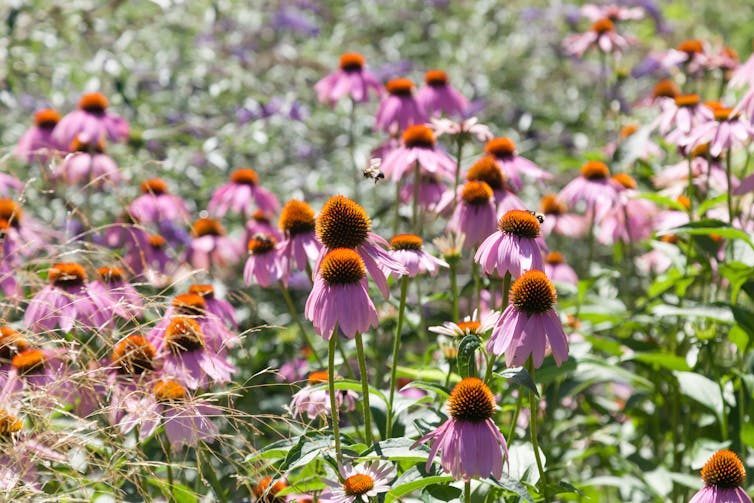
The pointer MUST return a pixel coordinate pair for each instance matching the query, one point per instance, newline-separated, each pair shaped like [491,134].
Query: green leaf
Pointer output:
[708,226]
[435,388]
[519,376]
[514,486]
[394,449]
[306,485]
[431,375]
[702,389]
[399,491]
[718,312]
[744,318]
[351,385]
[442,492]
[665,360]
[737,273]
[466,355]
[747,434]
[739,337]
[179,492]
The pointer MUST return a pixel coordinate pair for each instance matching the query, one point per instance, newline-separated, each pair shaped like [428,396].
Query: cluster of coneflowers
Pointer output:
[156,367]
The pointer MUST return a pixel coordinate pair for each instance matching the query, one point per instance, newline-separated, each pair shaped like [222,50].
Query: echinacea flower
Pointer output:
[157,204]
[342,223]
[726,131]
[11,343]
[469,441]
[10,184]
[186,420]
[339,296]
[88,164]
[111,281]
[314,399]
[210,246]
[529,325]
[194,305]
[592,187]
[360,483]
[613,12]
[464,129]
[630,218]
[68,301]
[418,148]
[438,96]
[240,193]
[265,491]
[351,78]
[504,151]
[91,122]
[557,219]
[474,215]
[601,35]
[723,474]
[489,170]
[220,308]
[514,247]
[690,54]
[557,269]
[743,75]
[263,266]
[300,245]
[431,192]
[400,108]
[470,325]
[37,144]
[261,223]
[407,249]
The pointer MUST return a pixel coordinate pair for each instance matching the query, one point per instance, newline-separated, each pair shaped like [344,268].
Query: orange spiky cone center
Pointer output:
[471,400]
[533,293]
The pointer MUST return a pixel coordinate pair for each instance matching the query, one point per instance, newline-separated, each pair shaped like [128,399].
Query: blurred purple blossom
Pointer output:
[291,19]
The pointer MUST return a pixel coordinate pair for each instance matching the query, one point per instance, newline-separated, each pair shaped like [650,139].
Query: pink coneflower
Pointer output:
[220,308]
[240,193]
[350,79]
[40,369]
[504,151]
[399,109]
[592,187]
[659,260]
[187,421]
[88,164]
[407,249]
[678,117]
[489,170]
[20,236]
[558,220]
[216,333]
[726,131]
[210,246]
[437,96]
[630,218]
[37,144]
[265,491]
[474,215]
[11,343]
[68,301]
[314,399]
[156,204]
[465,129]
[91,123]
[111,281]
[513,248]
[690,54]
[706,173]
[300,245]
[743,75]
[431,192]
[186,356]
[746,105]
[148,255]
[613,12]
[557,269]
[10,184]
[723,474]
[342,223]
[360,483]
[529,325]
[418,147]
[261,223]
[602,35]
[470,442]
[470,325]
[339,296]
[263,266]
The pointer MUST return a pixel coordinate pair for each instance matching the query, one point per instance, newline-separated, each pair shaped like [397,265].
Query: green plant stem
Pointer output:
[297,319]
[364,388]
[415,204]
[396,350]
[506,290]
[334,416]
[420,324]
[467,492]
[590,256]
[519,401]
[397,206]
[169,466]
[454,288]
[533,407]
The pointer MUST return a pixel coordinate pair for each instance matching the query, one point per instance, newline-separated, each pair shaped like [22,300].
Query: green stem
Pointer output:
[519,401]
[415,203]
[169,466]
[364,388]
[533,407]
[397,206]
[506,290]
[297,319]
[420,325]
[454,288]
[396,349]
[590,256]
[331,387]
[467,492]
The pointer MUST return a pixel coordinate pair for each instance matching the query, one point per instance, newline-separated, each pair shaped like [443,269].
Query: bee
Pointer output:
[539,216]
[373,170]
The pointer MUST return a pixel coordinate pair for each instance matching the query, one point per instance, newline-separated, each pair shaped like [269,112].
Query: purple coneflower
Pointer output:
[240,193]
[613,12]
[558,220]
[691,55]
[726,131]
[91,122]
[263,266]
[156,204]
[465,129]
[342,223]
[529,325]
[360,483]
[220,308]
[469,325]
[504,151]
[193,304]
[723,474]
[602,35]
[88,164]
[339,296]
[631,218]
[557,269]
[470,442]
[399,109]
[41,369]
[437,96]
[300,245]
[474,215]
[210,246]
[407,249]
[350,79]
[431,192]
[67,300]
[111,281]
[678,117]
[37,144]
[261,223]
[187,421]
[514,247]
[418,147]
[10,184]
[594,187]
[314,400]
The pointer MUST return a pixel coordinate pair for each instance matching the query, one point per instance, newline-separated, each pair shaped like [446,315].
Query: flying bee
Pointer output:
[373,170]
[539,216]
